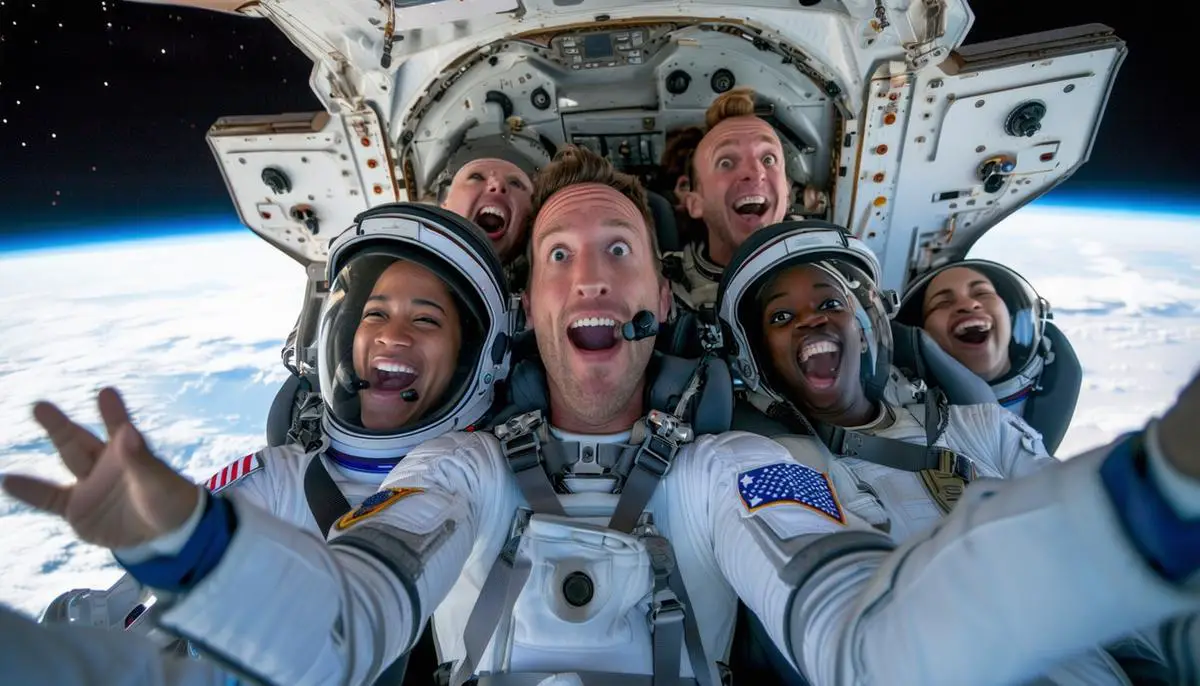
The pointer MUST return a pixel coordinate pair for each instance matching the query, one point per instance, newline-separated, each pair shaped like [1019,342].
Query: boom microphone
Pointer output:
[643,325]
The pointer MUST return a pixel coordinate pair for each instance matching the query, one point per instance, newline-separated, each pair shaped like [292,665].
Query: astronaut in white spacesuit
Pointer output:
[418,293]
[802,304]
[596,584]
[991,319]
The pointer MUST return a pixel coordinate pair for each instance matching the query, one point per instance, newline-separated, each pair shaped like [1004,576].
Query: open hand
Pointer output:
[123,495]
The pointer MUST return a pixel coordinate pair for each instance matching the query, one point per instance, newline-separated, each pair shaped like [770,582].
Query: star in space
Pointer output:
[104,107]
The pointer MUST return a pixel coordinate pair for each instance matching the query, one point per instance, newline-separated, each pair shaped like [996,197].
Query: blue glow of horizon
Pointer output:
[76,234]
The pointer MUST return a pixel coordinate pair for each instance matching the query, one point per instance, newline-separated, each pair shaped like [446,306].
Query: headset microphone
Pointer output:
[643,325]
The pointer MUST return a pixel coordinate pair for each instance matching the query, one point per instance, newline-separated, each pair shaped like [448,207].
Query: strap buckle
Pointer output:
[844,443]
[659,447]
[964,468]
[957,464]
[665,608]
[518,426]
[669,427]
[519,441]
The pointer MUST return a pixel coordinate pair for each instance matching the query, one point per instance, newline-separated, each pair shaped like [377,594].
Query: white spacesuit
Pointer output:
[312,488]
[896,484]
[839,604]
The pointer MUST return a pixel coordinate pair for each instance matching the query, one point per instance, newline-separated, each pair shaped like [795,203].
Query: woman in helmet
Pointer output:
[417,301]
[991,320]
[812,343]
[413,338]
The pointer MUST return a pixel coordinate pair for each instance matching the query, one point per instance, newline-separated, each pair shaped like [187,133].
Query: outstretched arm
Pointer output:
[258,592]
[1047,566]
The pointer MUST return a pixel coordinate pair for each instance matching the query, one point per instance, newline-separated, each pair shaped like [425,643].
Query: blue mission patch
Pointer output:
[374,504]
[789,483]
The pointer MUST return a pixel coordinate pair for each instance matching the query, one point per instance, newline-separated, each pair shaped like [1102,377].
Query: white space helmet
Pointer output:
[1028,311]
[461,256]
[769,251]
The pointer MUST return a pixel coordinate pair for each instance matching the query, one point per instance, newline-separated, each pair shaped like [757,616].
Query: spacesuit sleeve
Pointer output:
[288,608]
[1040,565]
[1022,451]
[33,654]
[1000,440]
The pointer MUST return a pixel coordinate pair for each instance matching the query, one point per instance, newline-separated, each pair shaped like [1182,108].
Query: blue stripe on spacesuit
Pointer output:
[1016,397]
[360,465]
[199,556]
[1170,543]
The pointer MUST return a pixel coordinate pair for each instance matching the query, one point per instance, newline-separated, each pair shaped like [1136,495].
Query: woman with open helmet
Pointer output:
[990,319]
[413,335]
[413,340]
[807,328]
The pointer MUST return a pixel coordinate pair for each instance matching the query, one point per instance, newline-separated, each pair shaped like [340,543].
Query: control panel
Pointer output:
[627,153]
[603,48]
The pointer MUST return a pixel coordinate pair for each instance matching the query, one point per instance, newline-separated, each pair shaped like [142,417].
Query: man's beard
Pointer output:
[597,401]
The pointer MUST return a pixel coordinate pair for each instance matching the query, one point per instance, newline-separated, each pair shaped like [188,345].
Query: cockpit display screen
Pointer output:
[597,45]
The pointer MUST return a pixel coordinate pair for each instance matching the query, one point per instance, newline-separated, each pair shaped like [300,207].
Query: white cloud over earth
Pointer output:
[188,329]
[1125,289]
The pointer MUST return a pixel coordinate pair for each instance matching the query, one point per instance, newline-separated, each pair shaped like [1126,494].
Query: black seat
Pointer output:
[663,214]
[295,414]
[1050,409]
[917,355]
[283,411]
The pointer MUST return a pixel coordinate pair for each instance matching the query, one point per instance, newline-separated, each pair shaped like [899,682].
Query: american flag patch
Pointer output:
[238,469]
[789,483]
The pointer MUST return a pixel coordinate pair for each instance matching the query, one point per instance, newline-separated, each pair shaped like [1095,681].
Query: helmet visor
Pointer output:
[969,307]
[817,330]
[402,336]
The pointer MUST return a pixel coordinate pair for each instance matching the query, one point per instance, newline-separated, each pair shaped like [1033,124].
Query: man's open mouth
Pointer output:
[593,333]
[493,219]
[973,331]
[820,361]
[751,205]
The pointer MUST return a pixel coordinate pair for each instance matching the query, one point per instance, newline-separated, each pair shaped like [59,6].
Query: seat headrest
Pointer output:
[279,417]
[663,214]
[1050,409]
[712,411]
[919,357]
